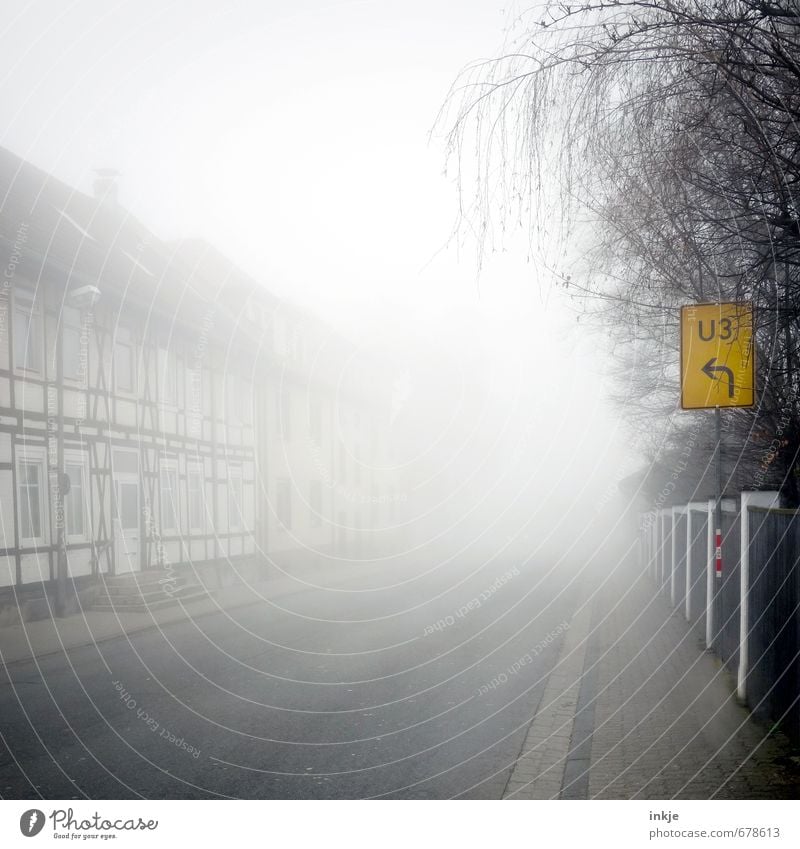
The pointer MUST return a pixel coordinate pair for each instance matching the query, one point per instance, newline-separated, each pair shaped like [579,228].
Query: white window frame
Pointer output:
[35,457]
[245,401]
[77,458]
[194,393]
[233,401]
[32,308]
[167,365]
[196,469]
[123,337]
[77,327]
[166,467]
[235,477]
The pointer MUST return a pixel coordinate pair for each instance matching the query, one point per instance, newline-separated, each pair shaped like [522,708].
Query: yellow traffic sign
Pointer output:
[717,356]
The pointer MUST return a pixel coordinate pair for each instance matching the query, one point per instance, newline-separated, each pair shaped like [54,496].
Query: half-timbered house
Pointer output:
[182,414]
[153,396]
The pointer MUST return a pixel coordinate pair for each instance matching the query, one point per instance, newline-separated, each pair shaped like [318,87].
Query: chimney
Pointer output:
[105,186]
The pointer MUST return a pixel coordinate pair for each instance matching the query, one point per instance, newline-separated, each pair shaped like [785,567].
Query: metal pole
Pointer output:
[710,574]
[718,494]
[61,554]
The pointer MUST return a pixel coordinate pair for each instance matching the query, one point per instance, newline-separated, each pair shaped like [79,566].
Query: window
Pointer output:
[315,503]
[72,345]
[239,399]
[229,392]
[235,498]
[168,376]
[284,503]
[75,512]
[195,392]
[30,481]
[169,497]
[124,361]
[27,333]
[125,468]
[196,498]
[128,504]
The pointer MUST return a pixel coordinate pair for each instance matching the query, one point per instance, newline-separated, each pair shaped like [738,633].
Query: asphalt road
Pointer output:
[350,692]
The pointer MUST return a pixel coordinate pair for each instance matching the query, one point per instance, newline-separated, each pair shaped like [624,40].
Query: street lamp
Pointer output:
[83,297]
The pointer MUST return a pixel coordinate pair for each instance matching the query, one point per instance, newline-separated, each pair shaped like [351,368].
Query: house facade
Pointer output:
[201,420]
[152,399]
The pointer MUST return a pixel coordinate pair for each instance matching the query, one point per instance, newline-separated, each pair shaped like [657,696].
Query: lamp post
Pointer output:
[82,297]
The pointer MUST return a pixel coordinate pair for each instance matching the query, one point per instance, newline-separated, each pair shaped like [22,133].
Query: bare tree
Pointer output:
[661,139]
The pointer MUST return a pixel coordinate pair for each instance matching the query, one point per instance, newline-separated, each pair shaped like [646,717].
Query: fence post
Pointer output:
[689,538]
[659,547]
[749,499]
[672,558]
[651,532]
[687,606]
[710,574]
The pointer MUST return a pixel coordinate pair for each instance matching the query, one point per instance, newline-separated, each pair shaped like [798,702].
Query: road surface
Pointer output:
[400,683]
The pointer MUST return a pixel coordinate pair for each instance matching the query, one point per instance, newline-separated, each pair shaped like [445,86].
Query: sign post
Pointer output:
[717,370]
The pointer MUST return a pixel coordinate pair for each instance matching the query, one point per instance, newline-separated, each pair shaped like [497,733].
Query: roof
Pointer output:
[66,238]
[59,236]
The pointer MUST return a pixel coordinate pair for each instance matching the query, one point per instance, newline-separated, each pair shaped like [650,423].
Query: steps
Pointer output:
[153,589]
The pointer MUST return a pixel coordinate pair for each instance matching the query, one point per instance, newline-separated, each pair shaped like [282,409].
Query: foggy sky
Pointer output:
[294,137]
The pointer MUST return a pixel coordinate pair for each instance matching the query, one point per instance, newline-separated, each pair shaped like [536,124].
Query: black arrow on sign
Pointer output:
[709,370]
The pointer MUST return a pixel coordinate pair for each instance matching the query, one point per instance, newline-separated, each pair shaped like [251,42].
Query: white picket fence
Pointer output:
[663,549]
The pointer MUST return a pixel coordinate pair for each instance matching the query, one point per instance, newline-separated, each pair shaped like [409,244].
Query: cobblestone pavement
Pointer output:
[542,763]
[653,715]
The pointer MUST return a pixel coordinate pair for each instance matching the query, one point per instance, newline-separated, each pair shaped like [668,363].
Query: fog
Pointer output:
[315,480]
[295,139]
[302,424]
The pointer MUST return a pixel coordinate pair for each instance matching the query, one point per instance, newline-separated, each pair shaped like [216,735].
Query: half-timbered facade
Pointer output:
[196,417]
[154,400]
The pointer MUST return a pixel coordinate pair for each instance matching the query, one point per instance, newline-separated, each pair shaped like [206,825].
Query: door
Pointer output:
[126,512]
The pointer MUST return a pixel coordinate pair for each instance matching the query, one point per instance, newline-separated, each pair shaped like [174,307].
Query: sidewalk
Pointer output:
[48,636]
[651,715]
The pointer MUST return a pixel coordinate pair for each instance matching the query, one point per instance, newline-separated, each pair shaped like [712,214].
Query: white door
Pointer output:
[126,513]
